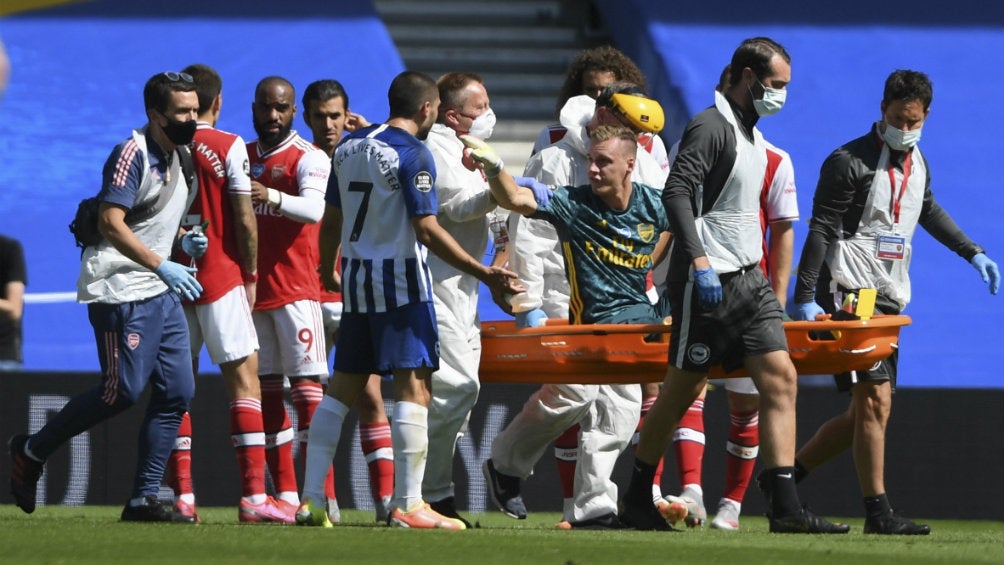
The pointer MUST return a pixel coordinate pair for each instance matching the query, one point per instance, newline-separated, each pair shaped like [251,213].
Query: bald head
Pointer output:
[268,83]
[272,110]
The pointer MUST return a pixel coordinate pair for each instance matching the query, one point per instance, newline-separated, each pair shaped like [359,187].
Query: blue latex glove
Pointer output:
[988,270]
[179,279]
[807,311]
[531,318]
[709,288]
[194,244]
[541,192]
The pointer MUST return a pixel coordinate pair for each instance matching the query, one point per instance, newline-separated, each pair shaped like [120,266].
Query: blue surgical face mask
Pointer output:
[772,101]
[900,140]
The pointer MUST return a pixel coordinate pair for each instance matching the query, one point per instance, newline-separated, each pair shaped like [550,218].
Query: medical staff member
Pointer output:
[872,194]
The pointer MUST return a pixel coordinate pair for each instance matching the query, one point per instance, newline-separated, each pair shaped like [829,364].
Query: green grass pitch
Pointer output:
[94,535]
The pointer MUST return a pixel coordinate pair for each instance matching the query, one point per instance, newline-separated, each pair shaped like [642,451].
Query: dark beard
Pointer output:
[269,139]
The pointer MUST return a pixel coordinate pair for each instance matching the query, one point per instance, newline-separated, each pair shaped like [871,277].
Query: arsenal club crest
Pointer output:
[646,232]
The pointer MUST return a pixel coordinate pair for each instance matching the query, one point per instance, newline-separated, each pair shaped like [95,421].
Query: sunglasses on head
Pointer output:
[173,76]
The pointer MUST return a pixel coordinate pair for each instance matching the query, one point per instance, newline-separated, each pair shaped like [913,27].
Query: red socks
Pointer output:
[179,464]
[278,436]
[566,454]
[248,435]
[688,442]
[374,439]
[742,450]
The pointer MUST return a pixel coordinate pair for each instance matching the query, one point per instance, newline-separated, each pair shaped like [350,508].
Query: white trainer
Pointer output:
[727,517]
[696,514]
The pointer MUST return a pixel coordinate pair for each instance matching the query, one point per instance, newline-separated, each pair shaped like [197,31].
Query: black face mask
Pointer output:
[180,133]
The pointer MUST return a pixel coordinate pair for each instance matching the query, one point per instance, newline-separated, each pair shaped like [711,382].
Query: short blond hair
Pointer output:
[606,133]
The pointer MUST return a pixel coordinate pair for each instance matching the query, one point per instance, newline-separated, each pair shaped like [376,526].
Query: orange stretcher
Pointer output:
[635,353]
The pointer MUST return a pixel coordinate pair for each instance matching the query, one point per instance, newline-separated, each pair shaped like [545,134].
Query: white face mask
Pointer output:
[900,140]
[483,125]
[772,101]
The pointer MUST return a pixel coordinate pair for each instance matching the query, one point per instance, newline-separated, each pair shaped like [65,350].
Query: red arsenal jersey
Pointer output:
[221,163]
[287,249]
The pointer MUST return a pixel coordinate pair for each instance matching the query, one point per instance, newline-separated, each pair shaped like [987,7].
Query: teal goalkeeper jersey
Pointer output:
[607,253]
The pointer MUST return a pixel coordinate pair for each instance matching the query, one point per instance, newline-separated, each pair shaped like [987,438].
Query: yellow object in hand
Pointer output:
[484,154]
[866,303]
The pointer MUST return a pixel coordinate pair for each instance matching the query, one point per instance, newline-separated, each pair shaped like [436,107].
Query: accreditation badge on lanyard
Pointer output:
[892,246]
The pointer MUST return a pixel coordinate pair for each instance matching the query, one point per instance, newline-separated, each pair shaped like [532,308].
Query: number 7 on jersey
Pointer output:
[357,225]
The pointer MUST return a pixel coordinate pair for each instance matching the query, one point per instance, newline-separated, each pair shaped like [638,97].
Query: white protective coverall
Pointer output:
[464,202]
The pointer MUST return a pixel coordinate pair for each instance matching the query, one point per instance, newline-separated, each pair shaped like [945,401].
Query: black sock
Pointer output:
[800,471]
[640,488]
[877,505]
[783,496]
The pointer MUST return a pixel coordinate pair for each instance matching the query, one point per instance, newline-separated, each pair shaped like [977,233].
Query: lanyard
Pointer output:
[894,199]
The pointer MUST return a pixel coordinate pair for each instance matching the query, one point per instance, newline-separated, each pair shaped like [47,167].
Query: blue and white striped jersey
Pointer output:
[381,177]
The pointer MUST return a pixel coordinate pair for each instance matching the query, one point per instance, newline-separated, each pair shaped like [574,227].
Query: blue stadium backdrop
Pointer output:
[70,100]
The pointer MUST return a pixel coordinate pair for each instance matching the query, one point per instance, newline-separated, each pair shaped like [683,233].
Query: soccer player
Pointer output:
[382,184]
[588,74]
[133,294]
[288,179]
[221,317]
[612,231]
[326,112]
[538,257]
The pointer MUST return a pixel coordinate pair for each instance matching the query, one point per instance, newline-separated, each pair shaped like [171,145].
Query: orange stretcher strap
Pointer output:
[635,353]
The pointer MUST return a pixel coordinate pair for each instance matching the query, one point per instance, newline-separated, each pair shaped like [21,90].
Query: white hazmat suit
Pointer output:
[464,203]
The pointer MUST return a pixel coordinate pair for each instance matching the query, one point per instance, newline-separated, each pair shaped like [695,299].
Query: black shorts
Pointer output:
[747,322]
[884,370]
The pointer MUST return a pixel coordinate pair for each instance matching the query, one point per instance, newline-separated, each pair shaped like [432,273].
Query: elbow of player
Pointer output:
[424,235]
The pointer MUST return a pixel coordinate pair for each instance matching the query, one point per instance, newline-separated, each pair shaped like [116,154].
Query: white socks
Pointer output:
[325,431]
[410,437]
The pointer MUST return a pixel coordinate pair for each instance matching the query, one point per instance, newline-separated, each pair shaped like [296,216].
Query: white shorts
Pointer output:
[225,326]
[741,385]
[292,340]
[332,313]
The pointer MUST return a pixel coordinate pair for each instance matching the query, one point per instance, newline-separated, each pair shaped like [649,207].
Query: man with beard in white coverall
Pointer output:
[536,256]
[464,205]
